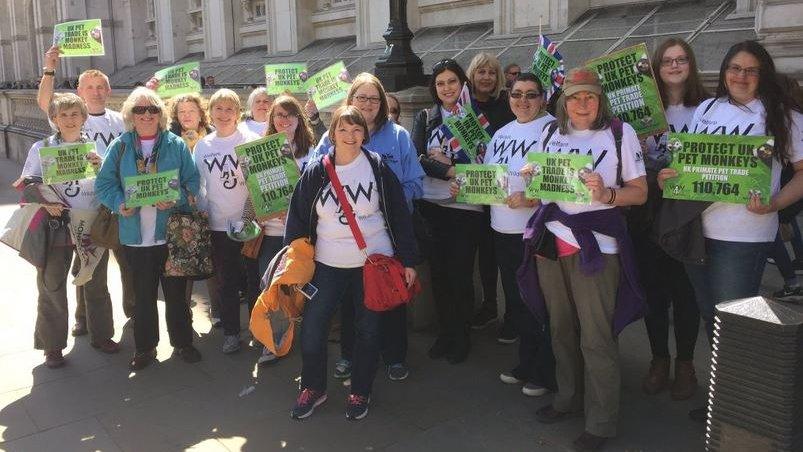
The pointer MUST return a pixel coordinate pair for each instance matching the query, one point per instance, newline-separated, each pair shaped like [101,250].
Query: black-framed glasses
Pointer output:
[737,70]
[529,95]
[680,61]
[141,109]
[363,99]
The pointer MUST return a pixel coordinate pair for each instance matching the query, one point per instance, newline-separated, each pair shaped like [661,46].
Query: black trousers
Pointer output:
[456,234]
[665,282]
[392,334]
[147,272]
[488,265]
[228,266]
[536,361]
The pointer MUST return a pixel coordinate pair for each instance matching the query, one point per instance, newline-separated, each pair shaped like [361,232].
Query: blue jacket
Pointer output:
[392,142]
[173,154]
[302,218]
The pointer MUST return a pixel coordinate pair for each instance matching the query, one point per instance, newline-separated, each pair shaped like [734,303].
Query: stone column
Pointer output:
[372,21]
[514,15]
[131,33]
[219,29]
[563,12]
[289,25]
[779,26]
[22,39]
[171,29]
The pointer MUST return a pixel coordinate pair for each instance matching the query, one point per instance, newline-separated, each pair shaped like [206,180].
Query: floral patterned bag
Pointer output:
[189,245]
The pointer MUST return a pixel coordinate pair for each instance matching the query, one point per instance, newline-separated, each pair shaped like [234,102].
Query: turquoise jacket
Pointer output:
[173,154]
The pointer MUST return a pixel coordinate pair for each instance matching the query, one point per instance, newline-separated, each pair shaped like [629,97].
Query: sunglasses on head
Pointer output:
[444,63]
[141,109]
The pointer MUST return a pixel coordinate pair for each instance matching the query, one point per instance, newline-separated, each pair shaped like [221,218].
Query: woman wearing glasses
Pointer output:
[148,147]
[510,146]
[392,142]
[455,228]
[286,116]
[749,101]
[664,278]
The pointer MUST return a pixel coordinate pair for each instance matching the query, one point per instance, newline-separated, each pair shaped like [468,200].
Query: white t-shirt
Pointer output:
[437,190]
[275,226]
[602,147]
[223,191]
[102,129]
[510,146]
[78,194]
[255,127]
[147,214]
[679,118]
[733,222]
[336,245]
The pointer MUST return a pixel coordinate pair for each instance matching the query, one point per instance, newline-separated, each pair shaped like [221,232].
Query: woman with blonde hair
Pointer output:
[147,147]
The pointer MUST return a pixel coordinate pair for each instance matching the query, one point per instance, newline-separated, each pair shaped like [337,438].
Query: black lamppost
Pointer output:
[399,67]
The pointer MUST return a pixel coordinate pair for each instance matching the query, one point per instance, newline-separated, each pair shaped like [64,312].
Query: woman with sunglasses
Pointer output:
[663,278]
[737,238]
[286,116]
[147,147]
[510,146]
[454,227]
[392,142]
[488,89]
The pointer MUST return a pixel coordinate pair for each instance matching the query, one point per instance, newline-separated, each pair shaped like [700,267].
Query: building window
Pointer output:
[259,9]
[197,20]
[151,9]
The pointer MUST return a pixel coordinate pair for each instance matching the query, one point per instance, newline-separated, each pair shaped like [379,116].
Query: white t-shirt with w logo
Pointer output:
[336,245]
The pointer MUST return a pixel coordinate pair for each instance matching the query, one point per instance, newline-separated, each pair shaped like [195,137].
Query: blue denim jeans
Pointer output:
[733,271]
[336,286]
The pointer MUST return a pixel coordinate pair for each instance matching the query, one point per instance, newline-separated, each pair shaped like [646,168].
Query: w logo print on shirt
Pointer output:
[503,150]
[355,195]
[226,166]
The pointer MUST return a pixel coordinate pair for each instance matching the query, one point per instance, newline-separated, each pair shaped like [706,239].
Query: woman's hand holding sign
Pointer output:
[596,186]
[664,174]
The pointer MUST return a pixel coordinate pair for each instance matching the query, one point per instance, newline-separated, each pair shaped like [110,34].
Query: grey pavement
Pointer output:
[226,403]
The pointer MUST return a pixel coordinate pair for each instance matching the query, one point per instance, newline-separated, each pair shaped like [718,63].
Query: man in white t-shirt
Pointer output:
[102,126]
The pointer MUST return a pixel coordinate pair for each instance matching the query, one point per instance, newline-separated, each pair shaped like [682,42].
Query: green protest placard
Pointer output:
[148,189]
[629,84]
[271,174]
[466,127]
[329,86]
[720,168]
[180,79]
[481,184]
[66,162]
[79,38]
[543,66]
[286,77]
[560,177]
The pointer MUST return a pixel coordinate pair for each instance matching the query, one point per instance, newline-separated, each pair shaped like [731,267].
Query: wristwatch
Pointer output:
[50,72]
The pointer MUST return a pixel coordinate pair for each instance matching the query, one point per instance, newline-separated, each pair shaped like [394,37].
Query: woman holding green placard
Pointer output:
[287,116]
[664,279]
[147,147]
[455,228]
[737,238]
[510,146]
[222,195]
[584,277]
[68,113]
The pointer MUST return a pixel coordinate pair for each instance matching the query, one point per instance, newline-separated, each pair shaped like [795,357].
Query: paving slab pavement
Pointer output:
[226,403]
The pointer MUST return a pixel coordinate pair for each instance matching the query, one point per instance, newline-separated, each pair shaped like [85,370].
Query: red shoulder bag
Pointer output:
[384,287]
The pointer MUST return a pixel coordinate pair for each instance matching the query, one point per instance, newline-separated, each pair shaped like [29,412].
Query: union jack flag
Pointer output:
[550,71]
[464,102]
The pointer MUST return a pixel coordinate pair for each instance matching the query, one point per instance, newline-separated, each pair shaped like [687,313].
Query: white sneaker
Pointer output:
[509,379]
[533,390]
[231,343]
[266,357]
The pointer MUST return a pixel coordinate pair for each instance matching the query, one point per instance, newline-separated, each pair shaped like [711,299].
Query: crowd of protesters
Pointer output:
[573,275]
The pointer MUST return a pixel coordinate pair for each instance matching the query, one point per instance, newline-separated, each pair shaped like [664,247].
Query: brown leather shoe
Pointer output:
[142,360]
[587,441]
[658,376]
[685,383]
[79,329]
[54,359]
[107,346]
